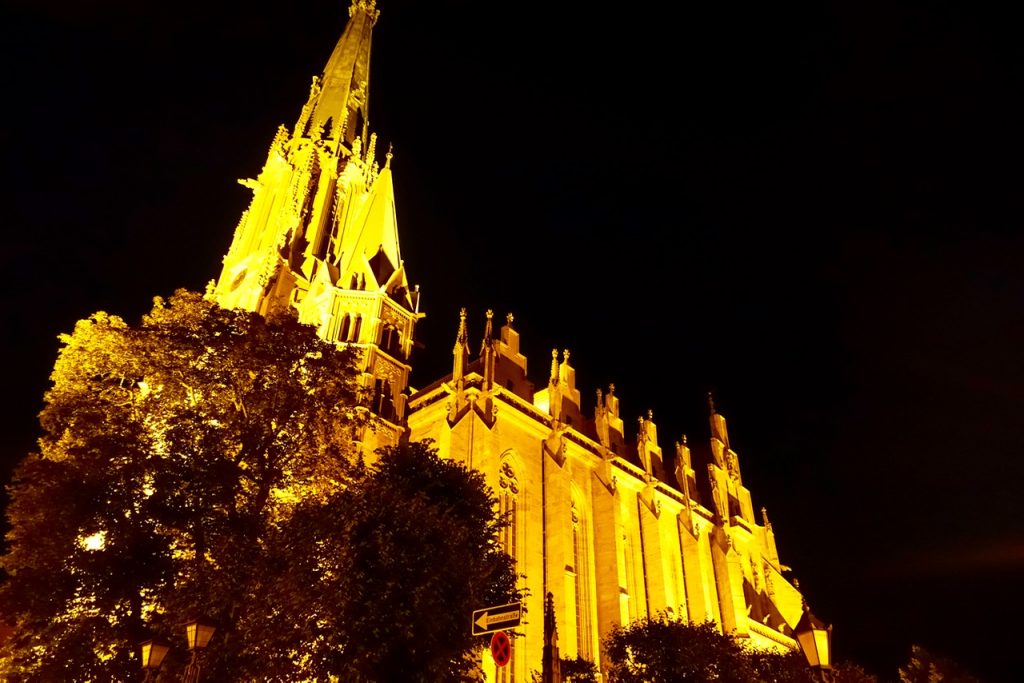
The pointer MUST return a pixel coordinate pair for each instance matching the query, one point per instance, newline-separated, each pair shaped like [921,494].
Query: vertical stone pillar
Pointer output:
[654,568]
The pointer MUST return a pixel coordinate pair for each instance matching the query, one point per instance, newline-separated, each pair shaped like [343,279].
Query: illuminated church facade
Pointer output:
[600,516]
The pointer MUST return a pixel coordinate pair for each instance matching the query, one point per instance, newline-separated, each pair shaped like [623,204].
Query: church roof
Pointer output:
[374,231]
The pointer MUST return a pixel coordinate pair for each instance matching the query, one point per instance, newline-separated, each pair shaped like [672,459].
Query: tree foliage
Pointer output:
[663,650]
[848,672]
[926,667]
[416,552]
[203,462]
[171,454]
[578,670]
[773,667]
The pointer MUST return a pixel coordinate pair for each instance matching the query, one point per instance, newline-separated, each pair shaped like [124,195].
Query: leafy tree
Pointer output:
[578,670]
[848,672]
[377,615]
[791,667]
[925,667]
[172,453]
[773,667]
[662,650]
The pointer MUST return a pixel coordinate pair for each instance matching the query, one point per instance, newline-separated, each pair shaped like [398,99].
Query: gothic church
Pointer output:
[602,518]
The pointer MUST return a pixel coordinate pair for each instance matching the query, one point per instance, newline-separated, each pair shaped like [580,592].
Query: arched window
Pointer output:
[508,493]
[390,340]
[632,593]
[508,503]
[357,327]
[383,403]
[345,328]
[581,569]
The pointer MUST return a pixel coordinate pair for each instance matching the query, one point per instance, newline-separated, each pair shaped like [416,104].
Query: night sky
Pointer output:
[813,210]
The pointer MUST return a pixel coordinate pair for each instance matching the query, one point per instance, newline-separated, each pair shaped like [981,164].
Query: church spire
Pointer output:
[321,233]
[338,104]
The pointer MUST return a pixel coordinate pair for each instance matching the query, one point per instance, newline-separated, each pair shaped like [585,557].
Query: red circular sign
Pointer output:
[501,648]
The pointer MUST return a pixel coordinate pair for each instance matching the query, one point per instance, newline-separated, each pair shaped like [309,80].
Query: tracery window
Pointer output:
[580,564]
[345,327]
[508,502]
[383,403]
[508,496]
[632,594]
[390,340]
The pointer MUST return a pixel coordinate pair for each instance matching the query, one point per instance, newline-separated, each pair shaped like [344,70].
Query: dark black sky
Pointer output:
[813,210]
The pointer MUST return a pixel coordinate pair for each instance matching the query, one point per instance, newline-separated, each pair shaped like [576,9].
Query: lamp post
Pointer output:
[815,640]
[153,653]
[198,632]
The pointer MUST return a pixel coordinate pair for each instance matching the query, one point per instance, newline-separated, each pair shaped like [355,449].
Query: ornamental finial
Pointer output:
[461,338]
[488,332]
[370,6]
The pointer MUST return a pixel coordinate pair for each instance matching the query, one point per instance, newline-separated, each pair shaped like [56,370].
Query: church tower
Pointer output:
[321,234]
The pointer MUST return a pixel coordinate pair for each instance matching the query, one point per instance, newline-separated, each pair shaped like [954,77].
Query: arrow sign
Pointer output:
[498,618]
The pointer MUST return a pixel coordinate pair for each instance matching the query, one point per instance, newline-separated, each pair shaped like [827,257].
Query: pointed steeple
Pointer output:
[686,478]
[461,350]
[339,101]
[719,431]
[647,446]
[487,351]
[321,233]
[487,343]
[554,393]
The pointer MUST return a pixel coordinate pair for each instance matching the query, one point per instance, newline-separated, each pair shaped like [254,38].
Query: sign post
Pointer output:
[499,618]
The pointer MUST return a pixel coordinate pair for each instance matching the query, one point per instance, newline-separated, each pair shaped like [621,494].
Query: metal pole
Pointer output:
[192,670]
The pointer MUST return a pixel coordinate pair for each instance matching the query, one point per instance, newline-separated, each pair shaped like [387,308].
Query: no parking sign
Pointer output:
[501,648]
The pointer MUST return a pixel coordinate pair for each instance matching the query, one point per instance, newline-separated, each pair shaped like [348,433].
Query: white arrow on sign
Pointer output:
[486,619]
[496,618]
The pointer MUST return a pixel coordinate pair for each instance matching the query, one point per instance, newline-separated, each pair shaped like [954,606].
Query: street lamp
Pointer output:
[815,641]
[198,632]
[153,653]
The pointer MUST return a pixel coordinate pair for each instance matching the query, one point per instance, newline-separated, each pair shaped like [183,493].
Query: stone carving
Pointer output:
[732,464]
[507,480]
